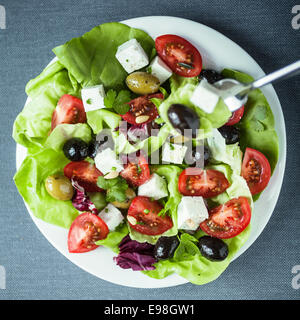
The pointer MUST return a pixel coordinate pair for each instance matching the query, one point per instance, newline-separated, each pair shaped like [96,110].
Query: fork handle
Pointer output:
[286,72]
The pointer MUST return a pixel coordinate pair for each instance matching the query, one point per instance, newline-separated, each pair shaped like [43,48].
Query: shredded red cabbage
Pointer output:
[138,132]
[134,133]
[81,201]
[135,255]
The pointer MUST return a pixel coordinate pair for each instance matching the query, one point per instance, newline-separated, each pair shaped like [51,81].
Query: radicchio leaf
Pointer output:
[138,132]
[135,255]
[81,201]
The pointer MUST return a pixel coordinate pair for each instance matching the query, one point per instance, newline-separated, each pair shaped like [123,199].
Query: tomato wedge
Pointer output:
[143,217]
[256,170]
[179,54]
[229,219]
[204,183]
[69,110]
[235,117]
[136,173]
[85,230]
[85,173]
[142,106]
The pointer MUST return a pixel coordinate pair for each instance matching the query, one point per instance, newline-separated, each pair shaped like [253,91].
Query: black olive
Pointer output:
[93,149]
[211,76]
[183,117]
[213,249]
[153,125]
[165,247]
[102,142]
[230,133]
[198,156]
[76,149]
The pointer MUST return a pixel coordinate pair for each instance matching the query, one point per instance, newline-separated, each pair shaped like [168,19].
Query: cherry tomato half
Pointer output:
[143,217]
[204,183]
[69,110]
[179,54]
[142,106]
[85,230]
[137,173]
[229,219]
[256,170]
[235,117]
[85,173]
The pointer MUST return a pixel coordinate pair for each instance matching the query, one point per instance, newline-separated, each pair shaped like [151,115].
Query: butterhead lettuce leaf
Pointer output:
[63,132]
[30,181]
[224,153]
[114,238]
[32,126]
[101,119]
[91,57]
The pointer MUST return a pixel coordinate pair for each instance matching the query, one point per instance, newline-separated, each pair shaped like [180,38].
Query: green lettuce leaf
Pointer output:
[228,160]
[101,119]
[238,186]
[30,181]
[114,238]
[64,132]
[115,188]
[171,173]
[221,152]
[187,248]
[91,58]
[98,199]
[33,124]
[52,78]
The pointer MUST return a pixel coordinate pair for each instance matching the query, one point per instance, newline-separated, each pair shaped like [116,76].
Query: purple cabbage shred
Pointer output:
[135,255]
[81,201]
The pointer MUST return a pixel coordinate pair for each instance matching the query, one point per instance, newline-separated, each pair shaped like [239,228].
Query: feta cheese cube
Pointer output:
[111,216]
[106,161]
[155,188]
[132,56]
[173,153]
[205,96]
[191,212]
[93,98]
[160,70]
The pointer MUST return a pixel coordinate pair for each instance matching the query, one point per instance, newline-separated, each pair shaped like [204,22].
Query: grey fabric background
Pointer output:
[35,270]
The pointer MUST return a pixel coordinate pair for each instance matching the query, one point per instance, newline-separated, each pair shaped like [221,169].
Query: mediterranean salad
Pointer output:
[130,148]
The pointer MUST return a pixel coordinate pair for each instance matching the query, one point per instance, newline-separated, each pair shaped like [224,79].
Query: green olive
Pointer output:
[59,187]
[142,83]
[130,194]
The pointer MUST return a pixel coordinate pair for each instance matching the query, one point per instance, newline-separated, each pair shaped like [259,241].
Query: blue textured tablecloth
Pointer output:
[34,269]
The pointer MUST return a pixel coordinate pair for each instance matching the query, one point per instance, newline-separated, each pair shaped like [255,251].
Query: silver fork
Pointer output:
[235,93]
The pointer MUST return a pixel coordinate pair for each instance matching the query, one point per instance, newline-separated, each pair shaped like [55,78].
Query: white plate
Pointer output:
[218,52]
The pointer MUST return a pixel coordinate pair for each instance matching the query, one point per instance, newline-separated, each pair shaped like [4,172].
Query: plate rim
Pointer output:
[178,280]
